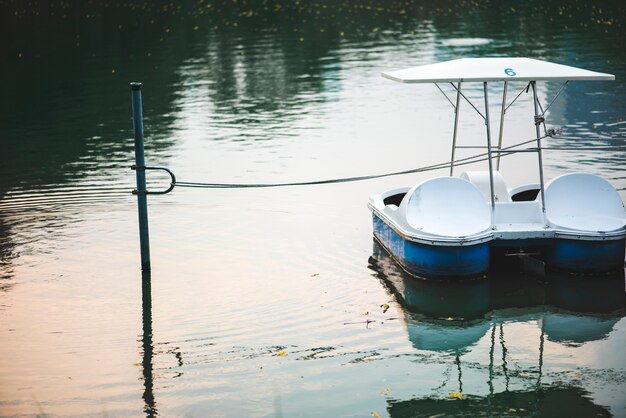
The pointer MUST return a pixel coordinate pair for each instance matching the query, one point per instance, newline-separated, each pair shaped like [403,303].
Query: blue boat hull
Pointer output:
[586,256]
[432,261]
[456,261]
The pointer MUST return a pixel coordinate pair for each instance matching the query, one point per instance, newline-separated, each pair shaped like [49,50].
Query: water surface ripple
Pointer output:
[276,302]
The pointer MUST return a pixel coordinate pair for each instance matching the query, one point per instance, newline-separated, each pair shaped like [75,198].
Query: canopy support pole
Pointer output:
[468,100]
[456,125]
[539,157]
[506,84]
[493,200]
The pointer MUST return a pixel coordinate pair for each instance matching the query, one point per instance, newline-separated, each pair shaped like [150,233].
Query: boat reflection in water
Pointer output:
[547,402]
[470,317]
[600,296]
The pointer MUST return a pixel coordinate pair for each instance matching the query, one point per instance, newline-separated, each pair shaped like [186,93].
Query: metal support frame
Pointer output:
[468,100]
[525,89]
[493,201]
[140,173]
[506,84]
[167,170]
[539,157]
[539,119]
[558,93]
[456,125]
[444,95]
[473,146]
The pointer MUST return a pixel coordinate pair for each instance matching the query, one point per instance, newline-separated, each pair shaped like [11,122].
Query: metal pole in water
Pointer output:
[140,171]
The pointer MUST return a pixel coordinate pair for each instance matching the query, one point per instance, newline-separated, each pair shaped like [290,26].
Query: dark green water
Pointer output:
[271,302]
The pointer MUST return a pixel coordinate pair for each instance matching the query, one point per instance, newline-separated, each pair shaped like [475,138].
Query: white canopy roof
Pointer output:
[493,69]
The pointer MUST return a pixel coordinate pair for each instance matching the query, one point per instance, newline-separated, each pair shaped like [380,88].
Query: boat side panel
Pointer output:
[432,260]
[586,256]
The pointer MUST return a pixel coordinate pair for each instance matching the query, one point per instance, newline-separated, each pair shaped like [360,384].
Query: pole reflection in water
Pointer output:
[147,346]
[470,320]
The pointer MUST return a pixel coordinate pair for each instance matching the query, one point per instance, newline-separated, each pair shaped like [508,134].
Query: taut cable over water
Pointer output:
[505,151]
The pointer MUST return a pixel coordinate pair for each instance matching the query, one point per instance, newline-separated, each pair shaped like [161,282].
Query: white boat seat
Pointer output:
[519,220]
[481,180]
[446,207]
[583,202]
[518,212]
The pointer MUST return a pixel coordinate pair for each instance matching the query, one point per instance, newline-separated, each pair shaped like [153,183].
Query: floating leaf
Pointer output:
[375,414]
[456,395]
[281,354]
[385,307]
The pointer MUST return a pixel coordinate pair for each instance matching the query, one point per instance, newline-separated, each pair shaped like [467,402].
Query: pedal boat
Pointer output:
[451,226]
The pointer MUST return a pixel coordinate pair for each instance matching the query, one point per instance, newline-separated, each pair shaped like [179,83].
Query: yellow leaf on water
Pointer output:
[456,395]
[281,354]
[375,414]
[385,307]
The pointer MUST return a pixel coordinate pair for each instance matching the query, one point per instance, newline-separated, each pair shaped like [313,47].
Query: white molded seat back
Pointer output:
[447,207]
[584,202]
[518,213]
[481,180]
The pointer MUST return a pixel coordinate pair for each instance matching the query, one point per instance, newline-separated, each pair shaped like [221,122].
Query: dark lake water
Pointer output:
[276,302]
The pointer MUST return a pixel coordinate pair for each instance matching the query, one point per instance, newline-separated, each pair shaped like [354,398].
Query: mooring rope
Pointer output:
[464,161]
[610,148]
